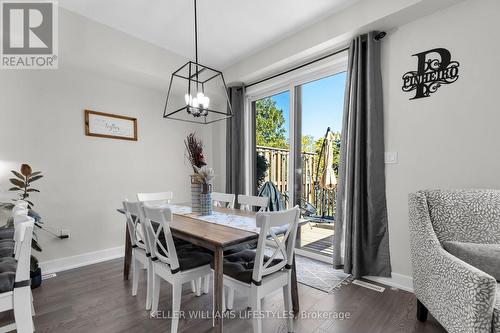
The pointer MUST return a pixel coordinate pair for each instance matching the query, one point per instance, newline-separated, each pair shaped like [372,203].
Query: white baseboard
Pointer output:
[64,264]
[399,281]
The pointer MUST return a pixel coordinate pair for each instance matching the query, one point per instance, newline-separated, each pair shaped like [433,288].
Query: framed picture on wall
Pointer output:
[112,126]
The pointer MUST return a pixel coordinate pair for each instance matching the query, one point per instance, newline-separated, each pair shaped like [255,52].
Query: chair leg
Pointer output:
[22,310]
[198,287]
[224,299]
[257,321]
[155,293]
[193,286]
[135,276]
[206,287]
[230,298]
[422,311]
[176,306]
[287,297]
[32,304]
[149,287]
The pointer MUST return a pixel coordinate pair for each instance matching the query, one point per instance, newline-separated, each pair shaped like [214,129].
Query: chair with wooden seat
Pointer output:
[176,266]
[254,274]
[249,202]
[223,200]
[141,255]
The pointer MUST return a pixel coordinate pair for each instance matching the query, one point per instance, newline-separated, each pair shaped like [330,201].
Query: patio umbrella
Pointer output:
[328,179]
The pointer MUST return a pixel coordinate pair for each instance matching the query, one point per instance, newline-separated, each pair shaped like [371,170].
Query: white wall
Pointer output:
[451,139]
[41,123]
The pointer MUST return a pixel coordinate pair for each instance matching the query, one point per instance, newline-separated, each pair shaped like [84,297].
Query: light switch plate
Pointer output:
[391,157]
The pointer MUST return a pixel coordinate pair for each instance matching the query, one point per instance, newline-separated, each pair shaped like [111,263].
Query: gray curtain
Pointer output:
[235,142]
[361,232]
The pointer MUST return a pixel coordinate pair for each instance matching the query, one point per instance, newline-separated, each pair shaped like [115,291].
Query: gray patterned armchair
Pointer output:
[461,297]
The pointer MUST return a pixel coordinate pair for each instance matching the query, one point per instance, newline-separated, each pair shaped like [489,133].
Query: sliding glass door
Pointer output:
[296,133]
[272,140]
[319,108]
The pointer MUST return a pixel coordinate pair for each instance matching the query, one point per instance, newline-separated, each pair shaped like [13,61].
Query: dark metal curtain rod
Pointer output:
[377,37]
[298,67]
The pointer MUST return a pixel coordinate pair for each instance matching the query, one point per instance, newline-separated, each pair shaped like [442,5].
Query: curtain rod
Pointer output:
[378,36]
[298,67]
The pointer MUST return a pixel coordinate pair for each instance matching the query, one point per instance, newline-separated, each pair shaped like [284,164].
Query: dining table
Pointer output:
[218,232]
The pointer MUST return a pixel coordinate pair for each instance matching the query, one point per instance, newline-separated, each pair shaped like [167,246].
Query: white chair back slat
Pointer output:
[18,210]
[156,197]
[22,236]
[151,199]
[21,203]
[20,218]
[280,245]
[248,202]
[162,216]
[135,228]
[223,200]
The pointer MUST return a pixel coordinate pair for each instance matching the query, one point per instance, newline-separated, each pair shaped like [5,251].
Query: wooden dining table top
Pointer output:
[219,235]
[190,227]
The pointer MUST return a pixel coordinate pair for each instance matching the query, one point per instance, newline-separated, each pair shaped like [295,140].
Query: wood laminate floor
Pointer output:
[97,299]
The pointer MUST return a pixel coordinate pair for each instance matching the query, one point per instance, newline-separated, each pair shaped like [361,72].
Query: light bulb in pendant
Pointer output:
[188,98]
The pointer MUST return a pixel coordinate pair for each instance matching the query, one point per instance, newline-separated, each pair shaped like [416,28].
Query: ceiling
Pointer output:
[228,30]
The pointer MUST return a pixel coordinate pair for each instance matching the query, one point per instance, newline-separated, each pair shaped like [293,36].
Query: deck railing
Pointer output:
[278,160]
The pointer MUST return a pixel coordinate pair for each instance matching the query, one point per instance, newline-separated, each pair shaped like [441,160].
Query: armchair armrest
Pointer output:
[459,296]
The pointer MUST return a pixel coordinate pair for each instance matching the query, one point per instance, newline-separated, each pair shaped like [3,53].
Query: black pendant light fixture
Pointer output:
[197,93]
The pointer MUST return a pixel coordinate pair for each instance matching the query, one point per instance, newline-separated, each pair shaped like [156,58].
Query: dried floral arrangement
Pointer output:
[194,151]
[203,175]
[194,154]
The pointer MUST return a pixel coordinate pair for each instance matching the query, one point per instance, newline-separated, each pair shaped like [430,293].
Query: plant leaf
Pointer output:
[36,173]
[32,190]
[17,174]
[32,179]
[30,204]
[17,182]
[15,189]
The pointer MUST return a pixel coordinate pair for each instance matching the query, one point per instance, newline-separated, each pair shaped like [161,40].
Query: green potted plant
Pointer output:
[22,184]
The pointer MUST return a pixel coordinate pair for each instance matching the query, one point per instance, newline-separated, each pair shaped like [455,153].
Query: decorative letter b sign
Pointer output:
[435,68]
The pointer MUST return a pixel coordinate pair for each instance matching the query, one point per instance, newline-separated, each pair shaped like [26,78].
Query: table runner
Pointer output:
[246,223]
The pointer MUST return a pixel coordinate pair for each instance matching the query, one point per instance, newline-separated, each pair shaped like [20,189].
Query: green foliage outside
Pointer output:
[271,132]
[270,124]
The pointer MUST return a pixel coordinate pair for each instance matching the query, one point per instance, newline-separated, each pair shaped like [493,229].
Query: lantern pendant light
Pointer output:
[197,93]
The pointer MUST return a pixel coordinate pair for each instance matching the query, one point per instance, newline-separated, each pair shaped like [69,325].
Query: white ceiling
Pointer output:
[228,30]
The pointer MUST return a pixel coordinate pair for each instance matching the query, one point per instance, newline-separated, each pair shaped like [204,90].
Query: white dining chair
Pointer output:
[155,198]
[175,267]
[223,200]
[141,255]
[159,199]
[269,273]
[248,202]
[20,214]
[18,296]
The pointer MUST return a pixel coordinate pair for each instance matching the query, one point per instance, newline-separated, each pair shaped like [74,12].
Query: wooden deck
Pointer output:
[316,237]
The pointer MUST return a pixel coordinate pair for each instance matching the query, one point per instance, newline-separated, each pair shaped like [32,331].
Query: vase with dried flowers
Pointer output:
[202,175]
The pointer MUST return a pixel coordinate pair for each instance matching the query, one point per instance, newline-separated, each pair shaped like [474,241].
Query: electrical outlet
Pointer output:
[64,233]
